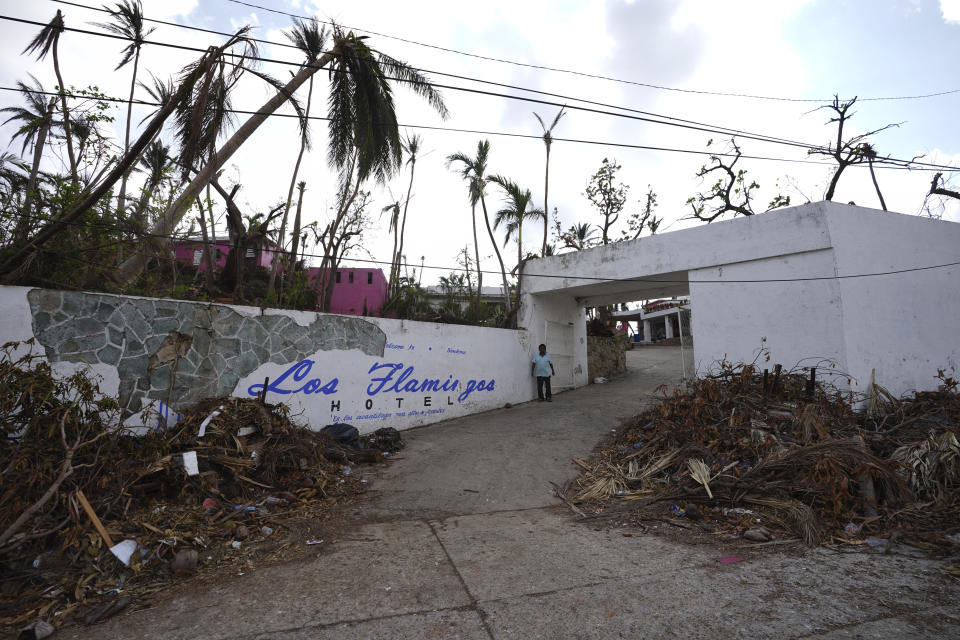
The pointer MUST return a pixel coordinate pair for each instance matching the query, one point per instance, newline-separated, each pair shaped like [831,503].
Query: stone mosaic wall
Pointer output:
[181,352]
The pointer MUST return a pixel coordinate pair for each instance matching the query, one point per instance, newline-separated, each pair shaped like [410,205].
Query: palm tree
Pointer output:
[128,24]
[474,171]
[580,236]
[547,141]
[295,238]
[49,39]
[157,164]
[311,39]
[361,116]
[394,227]
[411,146]
[35,120]
[518,206]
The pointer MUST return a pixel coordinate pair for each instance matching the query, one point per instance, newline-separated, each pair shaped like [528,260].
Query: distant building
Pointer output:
[355,291]
[436,297]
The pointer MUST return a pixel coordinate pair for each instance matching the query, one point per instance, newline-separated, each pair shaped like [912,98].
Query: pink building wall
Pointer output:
[356,290]
[186,253]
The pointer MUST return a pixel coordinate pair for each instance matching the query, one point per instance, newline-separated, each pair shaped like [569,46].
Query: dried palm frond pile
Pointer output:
[792,450]
[232,479]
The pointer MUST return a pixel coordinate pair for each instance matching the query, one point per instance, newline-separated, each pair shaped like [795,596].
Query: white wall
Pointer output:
[371,372]
[903,325]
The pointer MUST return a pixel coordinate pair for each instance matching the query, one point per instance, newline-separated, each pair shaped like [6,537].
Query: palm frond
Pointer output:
[127,23]
[309,36]
[44,41]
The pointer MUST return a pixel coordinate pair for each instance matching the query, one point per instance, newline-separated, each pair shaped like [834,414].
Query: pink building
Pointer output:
[355,291]
[191,252]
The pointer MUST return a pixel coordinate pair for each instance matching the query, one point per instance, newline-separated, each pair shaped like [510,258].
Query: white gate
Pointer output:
[559,341]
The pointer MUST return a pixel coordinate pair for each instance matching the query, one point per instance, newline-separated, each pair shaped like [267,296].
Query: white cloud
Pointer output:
[950,10]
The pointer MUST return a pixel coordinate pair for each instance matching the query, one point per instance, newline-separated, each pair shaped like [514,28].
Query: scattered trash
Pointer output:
[729,559]
[190,463]
[315,541]
[241,532]
[736,511]
[36,631]
[236,544]
[757,534]
[109,609]
[346,471]
[677,511]
[209,504]
[185,562]
[206,421]
[265,530]
[877,542]
[851,528]
[600,380]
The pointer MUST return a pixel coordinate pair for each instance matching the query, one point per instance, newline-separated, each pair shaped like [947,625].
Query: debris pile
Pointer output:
[93,516]
[739,447]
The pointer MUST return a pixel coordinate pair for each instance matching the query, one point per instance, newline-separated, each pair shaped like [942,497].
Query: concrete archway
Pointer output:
[821,284]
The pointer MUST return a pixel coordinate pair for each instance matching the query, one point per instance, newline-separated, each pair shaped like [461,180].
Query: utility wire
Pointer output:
[114,227]
[592,75]
[878,164]
[898,163]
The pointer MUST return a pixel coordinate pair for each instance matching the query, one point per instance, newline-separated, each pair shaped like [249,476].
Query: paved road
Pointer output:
[464,540]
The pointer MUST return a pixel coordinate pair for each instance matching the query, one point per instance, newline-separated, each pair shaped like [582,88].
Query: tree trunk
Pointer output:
[134,265]
[476,248]
[403,226]
[281,240]
[66,111]
[23,225]
[122,196]
[496,249]
[295,241]
[546,210]
[208,272]
[876,186]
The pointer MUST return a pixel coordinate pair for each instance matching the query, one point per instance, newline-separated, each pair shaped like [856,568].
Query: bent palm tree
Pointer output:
[361,117]
[49,39]
[474,170]
[127,23]
[547,141]
[35,120]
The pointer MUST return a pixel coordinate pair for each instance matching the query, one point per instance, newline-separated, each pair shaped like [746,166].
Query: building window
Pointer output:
[369,277]
[251,253]
[350,277]
[338,277]
[197,257]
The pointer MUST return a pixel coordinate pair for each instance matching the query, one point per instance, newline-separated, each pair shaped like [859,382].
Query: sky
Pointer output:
[797,54]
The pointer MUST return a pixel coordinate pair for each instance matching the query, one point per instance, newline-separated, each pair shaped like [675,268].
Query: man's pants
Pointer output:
[541,381]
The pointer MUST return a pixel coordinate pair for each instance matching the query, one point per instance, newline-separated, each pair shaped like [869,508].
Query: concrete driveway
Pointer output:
[463,539]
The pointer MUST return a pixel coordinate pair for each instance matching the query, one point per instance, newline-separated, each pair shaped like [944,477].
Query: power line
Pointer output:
[884,163]
[592,75]
[621,145]
[565,276]
[467,78]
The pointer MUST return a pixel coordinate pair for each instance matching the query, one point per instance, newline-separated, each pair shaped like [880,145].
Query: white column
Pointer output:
[669,326]
[646,331]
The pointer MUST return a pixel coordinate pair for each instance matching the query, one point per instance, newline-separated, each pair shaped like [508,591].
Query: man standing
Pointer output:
[542,367]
